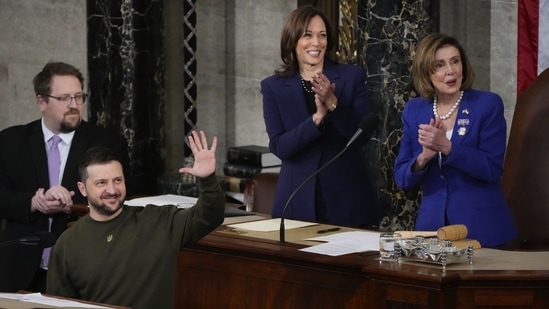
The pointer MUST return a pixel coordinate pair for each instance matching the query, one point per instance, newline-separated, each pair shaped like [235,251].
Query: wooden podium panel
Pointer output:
[404,285]
[226,270]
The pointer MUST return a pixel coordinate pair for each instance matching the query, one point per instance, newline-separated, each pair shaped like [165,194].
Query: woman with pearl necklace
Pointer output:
[453,146]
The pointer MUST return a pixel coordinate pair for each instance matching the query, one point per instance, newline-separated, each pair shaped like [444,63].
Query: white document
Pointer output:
[161,200]
[345,243]
[239,196]
[50,301]
[270,225]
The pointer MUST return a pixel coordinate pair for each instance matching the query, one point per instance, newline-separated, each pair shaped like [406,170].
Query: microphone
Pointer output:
[43,239]
[366,127]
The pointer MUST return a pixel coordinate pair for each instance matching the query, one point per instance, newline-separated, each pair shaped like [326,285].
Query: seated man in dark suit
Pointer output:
[37,179]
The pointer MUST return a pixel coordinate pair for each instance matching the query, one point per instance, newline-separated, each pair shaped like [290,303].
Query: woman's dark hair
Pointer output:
[423,64]
[294,28]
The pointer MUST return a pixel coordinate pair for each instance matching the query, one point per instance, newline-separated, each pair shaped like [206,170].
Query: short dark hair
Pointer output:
[423,64]
[294,28]
[42,80]
[95,155]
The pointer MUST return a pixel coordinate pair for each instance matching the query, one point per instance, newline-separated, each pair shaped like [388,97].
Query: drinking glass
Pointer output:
[387,245]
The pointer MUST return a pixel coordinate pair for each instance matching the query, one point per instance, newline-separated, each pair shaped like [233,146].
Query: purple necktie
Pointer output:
[54,164]
[54,161]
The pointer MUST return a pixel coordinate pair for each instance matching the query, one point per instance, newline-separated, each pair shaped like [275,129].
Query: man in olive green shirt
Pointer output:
[127,256]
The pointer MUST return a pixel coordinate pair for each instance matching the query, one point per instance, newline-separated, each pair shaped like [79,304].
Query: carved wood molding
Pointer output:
[347,52]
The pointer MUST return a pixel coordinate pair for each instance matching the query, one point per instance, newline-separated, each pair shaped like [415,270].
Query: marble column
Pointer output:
[126,79]
[388,32]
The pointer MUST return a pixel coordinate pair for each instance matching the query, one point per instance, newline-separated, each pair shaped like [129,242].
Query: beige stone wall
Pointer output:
[238,45]
[503,54]
[33,33]
[488,31]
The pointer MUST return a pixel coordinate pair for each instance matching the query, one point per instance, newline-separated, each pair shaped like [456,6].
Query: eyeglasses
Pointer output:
[67,99]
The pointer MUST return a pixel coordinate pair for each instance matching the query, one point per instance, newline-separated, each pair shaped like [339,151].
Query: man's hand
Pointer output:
[56,199]
[204,158]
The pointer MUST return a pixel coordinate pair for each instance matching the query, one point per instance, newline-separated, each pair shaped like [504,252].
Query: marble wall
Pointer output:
[388,33]
[237,46]
[126,52]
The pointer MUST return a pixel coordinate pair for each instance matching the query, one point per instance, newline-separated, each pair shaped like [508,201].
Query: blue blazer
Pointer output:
[466,189]
[303,148]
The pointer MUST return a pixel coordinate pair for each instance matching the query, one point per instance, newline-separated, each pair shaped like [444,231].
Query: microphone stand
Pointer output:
[23,241]
[8,243]
[282,228]
[43,239]
[366,127]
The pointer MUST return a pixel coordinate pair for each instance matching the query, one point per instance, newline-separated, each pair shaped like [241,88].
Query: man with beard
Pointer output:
[127,256]
[32,202]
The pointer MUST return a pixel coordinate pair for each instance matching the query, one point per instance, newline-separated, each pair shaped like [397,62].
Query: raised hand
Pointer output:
[204,158]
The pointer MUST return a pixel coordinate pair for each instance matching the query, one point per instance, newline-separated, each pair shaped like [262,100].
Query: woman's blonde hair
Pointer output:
[423,64]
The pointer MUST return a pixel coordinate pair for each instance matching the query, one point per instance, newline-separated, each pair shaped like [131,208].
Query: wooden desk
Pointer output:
[401,285]
[226,270]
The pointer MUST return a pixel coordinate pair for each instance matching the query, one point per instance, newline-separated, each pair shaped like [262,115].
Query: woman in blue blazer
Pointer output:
[312,106]
[453,146]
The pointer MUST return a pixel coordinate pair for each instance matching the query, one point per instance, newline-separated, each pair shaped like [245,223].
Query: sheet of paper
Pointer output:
[270,225]
[51,301]
[234,220]
[345,243]
[10,295]
[161,200]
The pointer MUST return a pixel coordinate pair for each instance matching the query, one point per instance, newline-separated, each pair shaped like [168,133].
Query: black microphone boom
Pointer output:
[43,239]
[366,127]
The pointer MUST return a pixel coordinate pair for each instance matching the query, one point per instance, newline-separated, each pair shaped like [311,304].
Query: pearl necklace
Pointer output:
[305,86]
[451,111]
